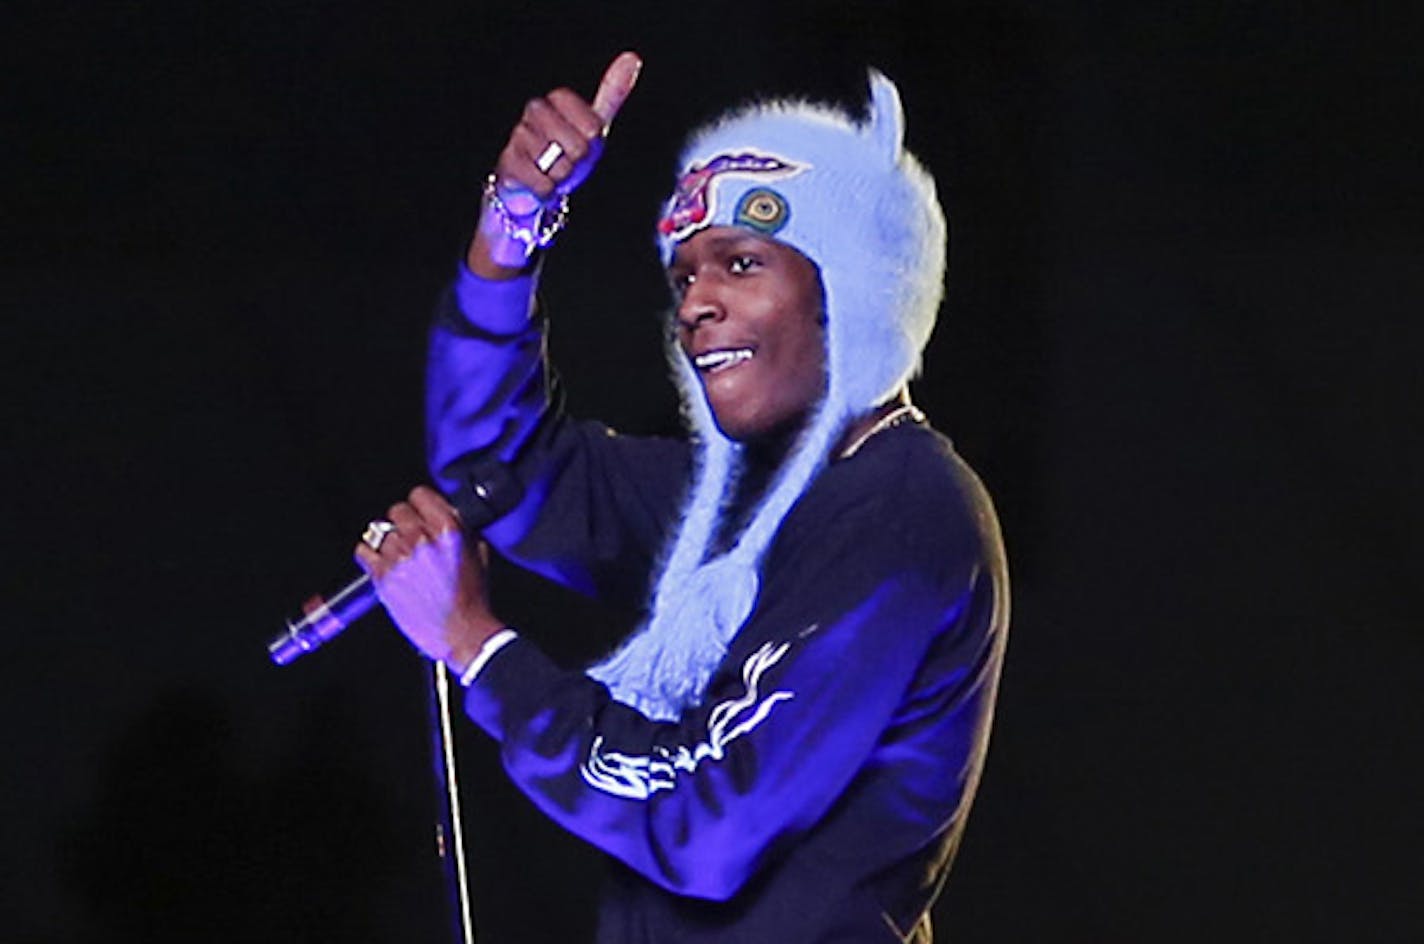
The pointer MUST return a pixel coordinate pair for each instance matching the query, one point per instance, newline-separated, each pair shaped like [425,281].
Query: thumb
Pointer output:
[617,83]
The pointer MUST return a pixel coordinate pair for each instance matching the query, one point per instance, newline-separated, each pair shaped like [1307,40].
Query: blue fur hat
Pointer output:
[849,197]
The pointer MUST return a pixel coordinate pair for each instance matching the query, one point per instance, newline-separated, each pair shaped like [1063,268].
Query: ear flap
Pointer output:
[887,118]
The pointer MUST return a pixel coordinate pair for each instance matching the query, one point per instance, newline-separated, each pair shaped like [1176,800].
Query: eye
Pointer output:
[680,281]
[742,264]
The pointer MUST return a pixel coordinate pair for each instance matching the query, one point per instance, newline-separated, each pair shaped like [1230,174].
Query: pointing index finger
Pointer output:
[617,83]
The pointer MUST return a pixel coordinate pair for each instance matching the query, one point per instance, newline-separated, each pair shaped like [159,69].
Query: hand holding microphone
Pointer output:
[419,563]
[431,581]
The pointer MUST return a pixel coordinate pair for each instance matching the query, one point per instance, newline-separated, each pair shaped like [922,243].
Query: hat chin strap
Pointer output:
[699,604]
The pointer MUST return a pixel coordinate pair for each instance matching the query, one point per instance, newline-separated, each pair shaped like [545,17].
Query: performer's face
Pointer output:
[749,317]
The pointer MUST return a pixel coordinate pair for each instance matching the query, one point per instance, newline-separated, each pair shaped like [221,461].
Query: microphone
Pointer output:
[487,492]
[323,620]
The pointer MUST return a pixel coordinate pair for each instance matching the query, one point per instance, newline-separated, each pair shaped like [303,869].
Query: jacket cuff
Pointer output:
[491,645]
[512,686]
[495,307]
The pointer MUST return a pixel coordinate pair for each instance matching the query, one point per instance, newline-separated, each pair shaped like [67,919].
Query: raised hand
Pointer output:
[550,152]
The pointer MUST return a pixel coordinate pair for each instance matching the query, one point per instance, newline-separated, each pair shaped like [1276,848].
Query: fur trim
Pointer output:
[850,198]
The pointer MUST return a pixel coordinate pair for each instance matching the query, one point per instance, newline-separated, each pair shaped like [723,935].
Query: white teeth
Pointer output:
[714,361]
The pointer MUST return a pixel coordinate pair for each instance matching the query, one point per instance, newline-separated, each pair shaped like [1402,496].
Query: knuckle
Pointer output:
[590,125]
[577,151]
[567,102]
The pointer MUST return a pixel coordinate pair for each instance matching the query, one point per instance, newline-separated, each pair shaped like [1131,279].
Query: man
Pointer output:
[787,748]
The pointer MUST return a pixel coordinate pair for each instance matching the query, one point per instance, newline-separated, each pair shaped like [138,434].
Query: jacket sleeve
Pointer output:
[574,501]
[816,678]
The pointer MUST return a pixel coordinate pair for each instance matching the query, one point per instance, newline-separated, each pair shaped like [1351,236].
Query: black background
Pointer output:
[1179,343]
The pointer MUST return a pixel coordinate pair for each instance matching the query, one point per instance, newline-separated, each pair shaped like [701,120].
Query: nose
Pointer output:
[699,304]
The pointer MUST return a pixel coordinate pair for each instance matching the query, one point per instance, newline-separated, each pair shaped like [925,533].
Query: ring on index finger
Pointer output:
[549,157]
[375,534]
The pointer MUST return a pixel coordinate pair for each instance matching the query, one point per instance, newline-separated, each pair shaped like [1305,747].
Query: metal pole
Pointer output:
[449,836]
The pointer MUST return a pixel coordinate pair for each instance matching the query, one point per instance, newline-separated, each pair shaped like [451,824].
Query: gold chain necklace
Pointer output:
[908,412]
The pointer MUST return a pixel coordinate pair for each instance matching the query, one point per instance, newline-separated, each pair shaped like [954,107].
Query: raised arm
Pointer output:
[490,399]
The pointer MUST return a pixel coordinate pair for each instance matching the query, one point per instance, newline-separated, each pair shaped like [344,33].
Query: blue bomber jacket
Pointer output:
[819,791]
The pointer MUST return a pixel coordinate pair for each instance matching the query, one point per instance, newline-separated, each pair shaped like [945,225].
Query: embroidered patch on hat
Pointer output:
[691,206]
[763,209]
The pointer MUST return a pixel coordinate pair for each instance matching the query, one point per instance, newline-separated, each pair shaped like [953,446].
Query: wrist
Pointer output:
[487,652]
[493,255]
[514,224]
[467,638]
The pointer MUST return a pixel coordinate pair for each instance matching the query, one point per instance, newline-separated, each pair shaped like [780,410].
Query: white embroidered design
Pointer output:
[637,777]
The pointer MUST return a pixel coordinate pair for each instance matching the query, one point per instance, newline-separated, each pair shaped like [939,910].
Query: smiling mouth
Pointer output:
[714,362]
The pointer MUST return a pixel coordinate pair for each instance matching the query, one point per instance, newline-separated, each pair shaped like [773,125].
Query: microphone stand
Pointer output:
[492,490]
[449,836]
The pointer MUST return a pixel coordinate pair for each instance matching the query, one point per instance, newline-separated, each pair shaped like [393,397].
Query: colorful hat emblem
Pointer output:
[690,207]
[763,209]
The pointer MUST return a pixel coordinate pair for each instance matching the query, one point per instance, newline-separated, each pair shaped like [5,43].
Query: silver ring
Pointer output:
[549,157]
[375,534]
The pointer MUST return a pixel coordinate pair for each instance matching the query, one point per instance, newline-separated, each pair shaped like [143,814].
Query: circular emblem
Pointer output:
[763,209]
